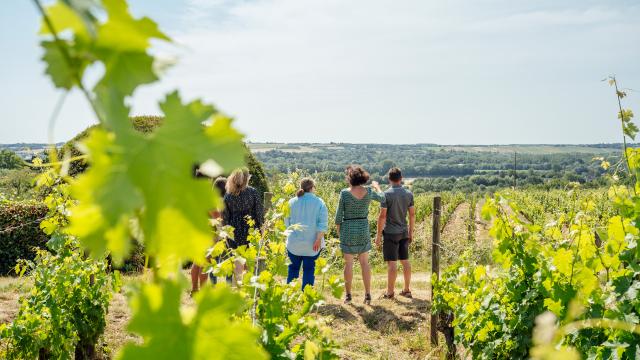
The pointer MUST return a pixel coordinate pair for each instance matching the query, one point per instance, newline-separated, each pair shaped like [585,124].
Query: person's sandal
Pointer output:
[388,296]
[406,293]
[367,299]
[347,299]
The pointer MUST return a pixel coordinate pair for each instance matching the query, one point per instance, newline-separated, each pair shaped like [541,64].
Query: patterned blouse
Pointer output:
[352,216]
[236,210]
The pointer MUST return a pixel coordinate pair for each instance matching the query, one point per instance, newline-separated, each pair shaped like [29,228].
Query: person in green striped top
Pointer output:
[353,226]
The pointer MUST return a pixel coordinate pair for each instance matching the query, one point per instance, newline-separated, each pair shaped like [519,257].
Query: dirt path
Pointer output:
[387,329]
[455,235]
[456,227]
[482,227]
[483,241]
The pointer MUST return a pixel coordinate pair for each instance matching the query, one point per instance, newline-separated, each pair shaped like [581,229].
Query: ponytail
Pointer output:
[306,185]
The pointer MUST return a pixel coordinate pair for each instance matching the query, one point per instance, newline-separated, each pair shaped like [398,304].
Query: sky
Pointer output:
[364,71]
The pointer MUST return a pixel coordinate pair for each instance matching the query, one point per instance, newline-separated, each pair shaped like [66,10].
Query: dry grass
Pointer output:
[387,329]
[484,242]
[10,291]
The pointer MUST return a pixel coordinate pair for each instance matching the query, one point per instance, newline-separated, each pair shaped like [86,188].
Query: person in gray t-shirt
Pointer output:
[396,233]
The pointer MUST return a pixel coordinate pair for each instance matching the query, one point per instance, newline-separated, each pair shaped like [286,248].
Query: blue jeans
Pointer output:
[308,268]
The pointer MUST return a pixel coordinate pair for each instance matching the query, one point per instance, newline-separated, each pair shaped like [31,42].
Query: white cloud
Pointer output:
[454,71]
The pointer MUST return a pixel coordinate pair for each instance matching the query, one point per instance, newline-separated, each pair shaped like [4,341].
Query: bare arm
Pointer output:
[339,214]
[382,220]
[318,243]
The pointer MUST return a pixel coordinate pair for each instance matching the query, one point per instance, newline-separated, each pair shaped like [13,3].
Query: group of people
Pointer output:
[308,222]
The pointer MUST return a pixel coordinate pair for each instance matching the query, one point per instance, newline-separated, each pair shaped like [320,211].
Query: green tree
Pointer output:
[9,160]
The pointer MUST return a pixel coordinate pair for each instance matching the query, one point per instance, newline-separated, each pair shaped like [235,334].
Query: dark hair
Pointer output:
[306,185]
[356,175]
[220,184]
[395,174]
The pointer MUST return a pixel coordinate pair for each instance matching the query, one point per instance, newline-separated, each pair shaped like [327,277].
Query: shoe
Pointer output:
[388,296]
[347,299]
[406,293]
[367,299]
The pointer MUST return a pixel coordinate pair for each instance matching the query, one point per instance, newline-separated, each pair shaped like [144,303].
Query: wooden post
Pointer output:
[267,200]
[261,261]
[435,262]
[515,170]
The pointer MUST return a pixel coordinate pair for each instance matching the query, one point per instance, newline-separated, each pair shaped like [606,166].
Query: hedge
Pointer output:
[20,235]
[20,232]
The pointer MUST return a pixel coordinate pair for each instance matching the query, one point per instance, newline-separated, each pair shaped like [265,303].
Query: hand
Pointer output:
[375,185]
[378,241]
[317,244]
[410,239]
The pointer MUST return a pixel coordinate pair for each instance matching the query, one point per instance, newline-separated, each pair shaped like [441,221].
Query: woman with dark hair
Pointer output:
[241,202]
[308,218]
[353,226]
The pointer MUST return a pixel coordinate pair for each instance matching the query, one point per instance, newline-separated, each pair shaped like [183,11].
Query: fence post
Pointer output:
[435,262]
[267,200]
[261,261]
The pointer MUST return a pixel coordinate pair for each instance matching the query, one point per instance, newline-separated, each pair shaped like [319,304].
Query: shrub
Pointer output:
[20,233]
[21,236]
[9,160]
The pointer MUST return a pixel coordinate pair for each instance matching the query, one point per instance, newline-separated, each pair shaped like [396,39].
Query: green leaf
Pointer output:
[155,182]
[562,259]
[631,130]
[64,18]
[126,71]
[106,198]
[123,33]
[57,67]
[337,286]
[553,306]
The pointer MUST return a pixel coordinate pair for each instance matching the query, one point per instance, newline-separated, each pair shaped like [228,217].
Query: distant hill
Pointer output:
[503,148]
[27,150]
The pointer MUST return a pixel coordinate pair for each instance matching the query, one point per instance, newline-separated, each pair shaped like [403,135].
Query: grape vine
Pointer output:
[565,279]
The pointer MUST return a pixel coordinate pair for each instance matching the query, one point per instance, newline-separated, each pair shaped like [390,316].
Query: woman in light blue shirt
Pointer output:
[305,240]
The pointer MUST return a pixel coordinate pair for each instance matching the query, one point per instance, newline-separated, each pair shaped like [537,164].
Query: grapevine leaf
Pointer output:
[125,71]
[107,199]
[208,334]
[162,169]
[156,181]
[57,68]
[64,18]
[630,129]
[562,261]
[123,33]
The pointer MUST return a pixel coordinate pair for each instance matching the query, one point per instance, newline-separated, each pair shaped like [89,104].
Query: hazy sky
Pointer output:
[392,71]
